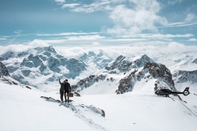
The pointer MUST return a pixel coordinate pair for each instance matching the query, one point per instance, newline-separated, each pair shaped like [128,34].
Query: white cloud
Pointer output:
[38,42]
[181,24]
[192,39]
[70,34]
[128,16]
[60,1]
[86,37]
[3,39]
[143,16]
[190,17]
[172,2]
[73,5]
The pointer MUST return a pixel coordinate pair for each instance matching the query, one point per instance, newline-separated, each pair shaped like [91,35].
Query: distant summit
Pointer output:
[124,64]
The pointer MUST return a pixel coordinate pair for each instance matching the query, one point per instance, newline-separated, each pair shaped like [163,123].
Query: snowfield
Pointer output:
[22,109]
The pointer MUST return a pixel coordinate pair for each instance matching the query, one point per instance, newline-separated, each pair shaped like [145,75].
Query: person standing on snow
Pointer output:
[67,88]
[62,90]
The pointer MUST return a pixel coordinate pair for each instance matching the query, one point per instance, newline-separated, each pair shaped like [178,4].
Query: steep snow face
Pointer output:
[3,70]
[41,65]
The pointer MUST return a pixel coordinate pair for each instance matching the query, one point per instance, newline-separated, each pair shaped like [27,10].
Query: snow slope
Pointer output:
[23,109]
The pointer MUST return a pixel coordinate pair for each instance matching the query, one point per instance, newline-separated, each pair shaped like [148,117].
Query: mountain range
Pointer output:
[111,93]
[40,67]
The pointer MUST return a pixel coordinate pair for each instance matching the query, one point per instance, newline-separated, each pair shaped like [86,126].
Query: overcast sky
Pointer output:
[98,22]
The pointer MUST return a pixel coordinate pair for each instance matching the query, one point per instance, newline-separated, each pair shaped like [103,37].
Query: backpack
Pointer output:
[67,87]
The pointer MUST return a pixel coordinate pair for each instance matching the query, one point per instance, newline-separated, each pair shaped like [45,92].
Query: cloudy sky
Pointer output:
[98,22]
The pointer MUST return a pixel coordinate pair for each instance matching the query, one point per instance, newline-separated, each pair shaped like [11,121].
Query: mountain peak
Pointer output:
[124,64]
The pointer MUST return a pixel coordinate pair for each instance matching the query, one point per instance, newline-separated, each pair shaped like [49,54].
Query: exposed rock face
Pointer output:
[150,70]
[87,82]
[3,70]
[126,84]
[185,76]
[159,71]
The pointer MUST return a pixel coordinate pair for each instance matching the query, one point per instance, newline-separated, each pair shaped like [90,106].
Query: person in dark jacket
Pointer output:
[67,88]
[62,90]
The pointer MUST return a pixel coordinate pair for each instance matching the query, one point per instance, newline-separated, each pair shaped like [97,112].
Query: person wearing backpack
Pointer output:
[62,90]
[67,88]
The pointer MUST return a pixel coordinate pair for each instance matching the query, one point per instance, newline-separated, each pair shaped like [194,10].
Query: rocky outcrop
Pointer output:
[87,82]
[126,84]
[77,109]
[159,72]
[3,70]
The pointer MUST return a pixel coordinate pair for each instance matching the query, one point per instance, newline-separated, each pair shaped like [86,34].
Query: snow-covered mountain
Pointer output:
[124,64]
[41,67]
[123,74]
[98,78]
[43,63]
